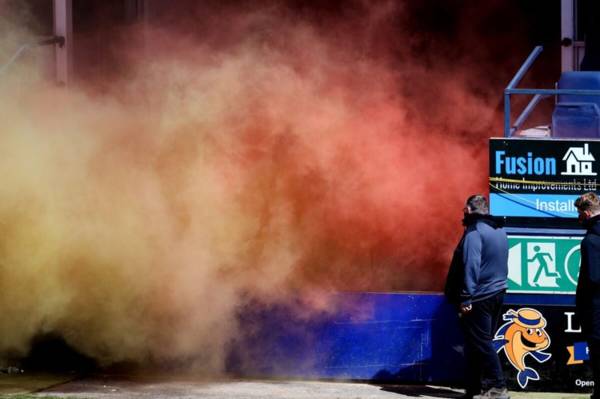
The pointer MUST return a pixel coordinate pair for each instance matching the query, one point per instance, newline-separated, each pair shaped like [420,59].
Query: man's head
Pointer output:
[588,205]
[476,204]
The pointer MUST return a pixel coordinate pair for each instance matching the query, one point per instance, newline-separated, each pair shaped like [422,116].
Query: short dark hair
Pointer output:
[588,202]
[478,204]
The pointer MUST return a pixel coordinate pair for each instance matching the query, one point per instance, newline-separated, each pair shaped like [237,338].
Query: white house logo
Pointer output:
[579,161]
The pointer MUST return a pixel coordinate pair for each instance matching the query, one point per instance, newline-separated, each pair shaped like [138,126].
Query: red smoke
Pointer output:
[337,137]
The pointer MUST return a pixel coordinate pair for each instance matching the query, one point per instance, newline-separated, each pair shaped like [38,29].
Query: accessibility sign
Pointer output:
[543,265]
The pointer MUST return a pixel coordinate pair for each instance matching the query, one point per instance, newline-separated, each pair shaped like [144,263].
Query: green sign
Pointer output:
[543,265]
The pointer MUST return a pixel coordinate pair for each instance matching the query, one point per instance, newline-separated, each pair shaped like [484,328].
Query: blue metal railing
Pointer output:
[512,85]
[538,94]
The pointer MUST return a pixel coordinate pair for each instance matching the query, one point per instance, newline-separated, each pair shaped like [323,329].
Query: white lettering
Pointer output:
[570,328]
[584,383]
[555,206]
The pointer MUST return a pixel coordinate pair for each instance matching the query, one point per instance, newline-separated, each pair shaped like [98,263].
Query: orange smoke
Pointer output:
[138,209]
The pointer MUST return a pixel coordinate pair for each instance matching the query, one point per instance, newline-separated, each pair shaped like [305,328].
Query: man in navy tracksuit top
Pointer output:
[587,298]
[476,284]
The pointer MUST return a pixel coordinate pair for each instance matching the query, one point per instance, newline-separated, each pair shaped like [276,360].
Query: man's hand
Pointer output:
[464,309]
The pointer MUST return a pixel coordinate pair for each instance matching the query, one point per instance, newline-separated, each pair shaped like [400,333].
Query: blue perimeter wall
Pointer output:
[386,337]
[409,337]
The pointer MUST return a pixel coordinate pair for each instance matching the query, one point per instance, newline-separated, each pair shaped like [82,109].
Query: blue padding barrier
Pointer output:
[409,337]
[577,115]
[576,120]
[583,80]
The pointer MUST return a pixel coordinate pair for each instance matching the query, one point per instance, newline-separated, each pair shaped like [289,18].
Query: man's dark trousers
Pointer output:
[594,352]
[590,321]
[483,370]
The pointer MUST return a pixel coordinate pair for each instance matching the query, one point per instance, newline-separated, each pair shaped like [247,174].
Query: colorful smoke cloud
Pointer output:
[139,211]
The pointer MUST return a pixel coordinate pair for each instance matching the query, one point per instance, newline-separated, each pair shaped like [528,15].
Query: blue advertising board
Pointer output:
[536,182]
[411,337]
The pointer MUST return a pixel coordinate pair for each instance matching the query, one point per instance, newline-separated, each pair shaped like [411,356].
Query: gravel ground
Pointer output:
[146,387]
[142,388]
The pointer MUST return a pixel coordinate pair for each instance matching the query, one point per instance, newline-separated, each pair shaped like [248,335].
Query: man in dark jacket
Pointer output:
[476,284]
[587,300]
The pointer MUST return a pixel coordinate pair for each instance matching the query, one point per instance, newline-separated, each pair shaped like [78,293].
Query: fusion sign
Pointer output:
[541,178]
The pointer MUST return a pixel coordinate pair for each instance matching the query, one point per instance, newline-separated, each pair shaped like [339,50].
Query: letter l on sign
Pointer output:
[569,328]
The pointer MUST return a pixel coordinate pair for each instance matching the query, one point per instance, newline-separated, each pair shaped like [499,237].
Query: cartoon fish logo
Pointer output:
[523,335]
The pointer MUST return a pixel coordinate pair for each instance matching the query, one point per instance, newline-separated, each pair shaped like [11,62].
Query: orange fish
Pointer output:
[523,335]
